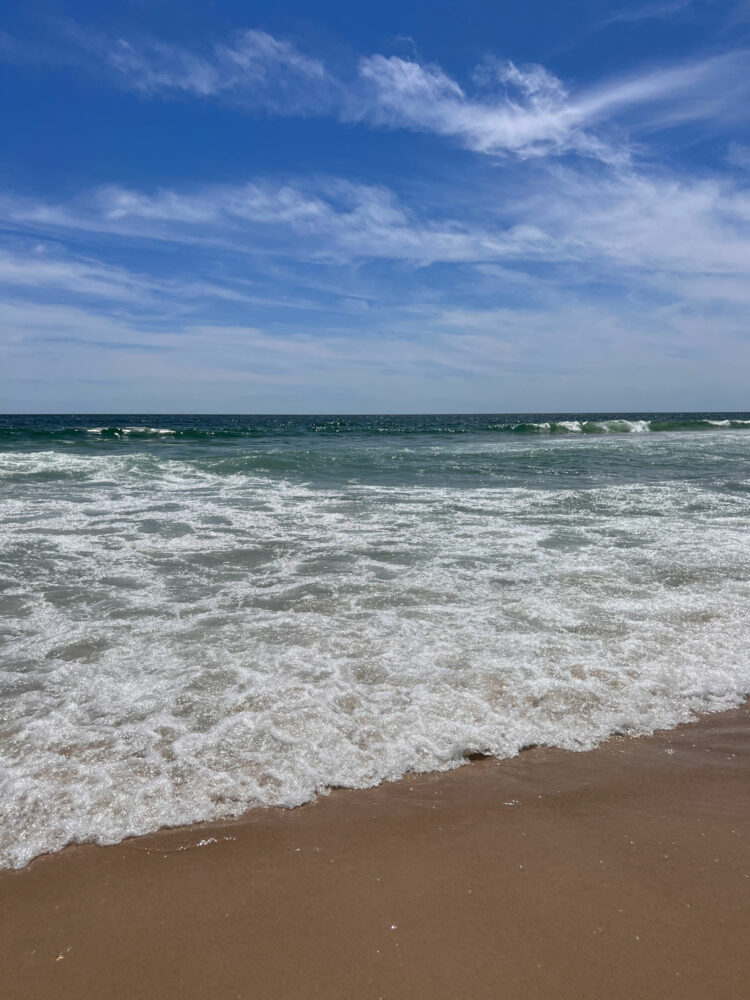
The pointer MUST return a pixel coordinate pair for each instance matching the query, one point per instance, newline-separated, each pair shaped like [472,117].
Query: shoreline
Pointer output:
[620,871]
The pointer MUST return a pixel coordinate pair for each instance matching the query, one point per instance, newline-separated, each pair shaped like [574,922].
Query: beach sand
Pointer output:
[619,872]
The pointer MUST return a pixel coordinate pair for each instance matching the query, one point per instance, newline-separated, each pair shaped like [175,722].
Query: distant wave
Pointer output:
[21,432]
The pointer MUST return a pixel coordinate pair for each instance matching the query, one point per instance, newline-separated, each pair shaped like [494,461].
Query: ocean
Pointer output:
[204,614]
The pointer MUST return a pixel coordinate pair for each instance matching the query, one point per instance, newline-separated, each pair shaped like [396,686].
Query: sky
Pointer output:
[395,207]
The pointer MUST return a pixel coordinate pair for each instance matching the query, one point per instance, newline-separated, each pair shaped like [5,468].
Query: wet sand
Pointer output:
[621,872]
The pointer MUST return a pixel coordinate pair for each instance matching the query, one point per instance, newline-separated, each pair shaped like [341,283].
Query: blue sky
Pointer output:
[334,207]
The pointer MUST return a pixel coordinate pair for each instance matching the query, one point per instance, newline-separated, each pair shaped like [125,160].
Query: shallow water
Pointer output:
[199,615]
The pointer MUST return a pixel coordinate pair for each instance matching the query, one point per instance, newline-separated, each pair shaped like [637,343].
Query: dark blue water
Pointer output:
[95,428]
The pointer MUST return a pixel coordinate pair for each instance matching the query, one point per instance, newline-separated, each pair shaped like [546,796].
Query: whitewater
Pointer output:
[202,615]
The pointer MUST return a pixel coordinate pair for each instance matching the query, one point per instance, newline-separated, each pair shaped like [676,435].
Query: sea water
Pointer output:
[200,615]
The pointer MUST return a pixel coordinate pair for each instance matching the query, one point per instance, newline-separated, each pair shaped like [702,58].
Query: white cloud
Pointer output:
[403,94]
[46,272]
[637,229]
[543,264]
[489,359]
[253,57]
[657,223]
[38,271]
[646,233]
[330,219]
[502,109]
[251,68]
[529,112]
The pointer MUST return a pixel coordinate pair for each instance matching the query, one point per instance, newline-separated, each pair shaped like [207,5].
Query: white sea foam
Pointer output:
[137,431]
[186,639]
[148,430]
[627,426]
[593,426]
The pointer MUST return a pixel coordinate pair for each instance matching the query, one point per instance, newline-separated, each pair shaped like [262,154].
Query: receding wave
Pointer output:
[190,631]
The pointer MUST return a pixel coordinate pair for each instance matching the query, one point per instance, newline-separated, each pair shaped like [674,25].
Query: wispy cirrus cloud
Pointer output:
[657,10]
[331,219]
[491,354]
[502,108]
[528,111]
[560,246]
[250,68]
[523,304]
[609,219]
[649,222]
[46,271]
[453,336]
[522,110]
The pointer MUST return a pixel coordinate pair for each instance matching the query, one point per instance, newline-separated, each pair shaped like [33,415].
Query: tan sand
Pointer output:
[622,872]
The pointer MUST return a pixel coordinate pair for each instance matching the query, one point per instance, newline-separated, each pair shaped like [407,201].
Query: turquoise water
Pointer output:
[204,614]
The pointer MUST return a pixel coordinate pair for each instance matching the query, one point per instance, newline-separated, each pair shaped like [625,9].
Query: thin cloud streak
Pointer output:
[334,220]
[659,10]
[90,278]
[251,68]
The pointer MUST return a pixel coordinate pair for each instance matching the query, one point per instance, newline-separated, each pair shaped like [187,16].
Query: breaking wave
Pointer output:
[40,430]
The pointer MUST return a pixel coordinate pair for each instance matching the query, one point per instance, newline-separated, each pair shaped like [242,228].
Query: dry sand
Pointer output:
[621,872]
